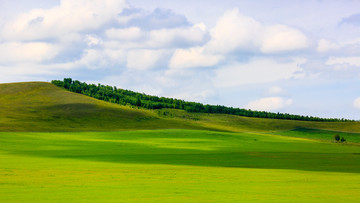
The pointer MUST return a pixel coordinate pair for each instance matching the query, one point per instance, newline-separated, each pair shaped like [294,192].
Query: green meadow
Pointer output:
[60,146]
[175,166]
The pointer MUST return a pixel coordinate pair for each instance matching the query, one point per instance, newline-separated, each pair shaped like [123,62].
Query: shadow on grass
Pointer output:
[129,151]
[320,134]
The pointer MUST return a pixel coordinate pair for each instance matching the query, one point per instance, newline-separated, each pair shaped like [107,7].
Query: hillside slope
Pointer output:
[41,106]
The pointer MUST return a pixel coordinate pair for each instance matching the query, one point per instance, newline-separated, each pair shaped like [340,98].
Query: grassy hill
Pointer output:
[52,150]
[41,106]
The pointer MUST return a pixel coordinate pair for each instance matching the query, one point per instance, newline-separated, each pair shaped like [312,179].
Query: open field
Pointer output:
[60,146]
[176,165]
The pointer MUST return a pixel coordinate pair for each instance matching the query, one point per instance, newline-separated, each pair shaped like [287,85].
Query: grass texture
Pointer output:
[175,166]
[43,107]
[58,146]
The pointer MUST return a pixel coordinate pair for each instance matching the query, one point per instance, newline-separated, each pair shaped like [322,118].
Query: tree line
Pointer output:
[127,97]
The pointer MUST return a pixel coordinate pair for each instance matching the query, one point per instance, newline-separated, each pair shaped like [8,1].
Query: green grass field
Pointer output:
[175,166]
[60,146]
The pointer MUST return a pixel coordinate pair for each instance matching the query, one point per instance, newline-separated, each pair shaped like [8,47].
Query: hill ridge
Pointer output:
[128,97]
[44,107]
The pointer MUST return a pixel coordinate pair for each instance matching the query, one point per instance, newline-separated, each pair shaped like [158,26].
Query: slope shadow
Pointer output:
[127,152]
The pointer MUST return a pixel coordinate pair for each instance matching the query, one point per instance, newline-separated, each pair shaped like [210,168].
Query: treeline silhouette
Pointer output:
[127,97]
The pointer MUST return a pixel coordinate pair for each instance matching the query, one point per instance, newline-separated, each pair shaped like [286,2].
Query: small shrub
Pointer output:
[342,139]
[337,137]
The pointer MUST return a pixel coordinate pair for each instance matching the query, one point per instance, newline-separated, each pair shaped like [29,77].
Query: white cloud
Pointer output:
[234,31]
[357,103]
[258,70]
[93,59]
[165,38]
[93,40]
[131,33]
[326,45]
[70,16]
[143,59]
[25,70]
[275,90]
[279,38]
[115,56]
[177,36]
[30,71]
[16,52]
[269,104]
[193,57]
[353,61]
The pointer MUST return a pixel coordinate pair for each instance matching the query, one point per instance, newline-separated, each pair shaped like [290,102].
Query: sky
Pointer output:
[299,57]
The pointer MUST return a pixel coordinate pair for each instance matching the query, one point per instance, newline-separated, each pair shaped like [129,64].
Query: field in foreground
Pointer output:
[176,166]
[60,146]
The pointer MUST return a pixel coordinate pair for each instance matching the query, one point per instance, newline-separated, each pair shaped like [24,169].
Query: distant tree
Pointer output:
[336,138]
[67,82]
[58,83]
[138,102]
[342,139]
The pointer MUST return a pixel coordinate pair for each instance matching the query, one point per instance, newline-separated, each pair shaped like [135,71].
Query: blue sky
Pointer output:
[300,57]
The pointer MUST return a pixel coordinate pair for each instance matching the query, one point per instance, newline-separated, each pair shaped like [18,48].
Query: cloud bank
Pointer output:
[165,52]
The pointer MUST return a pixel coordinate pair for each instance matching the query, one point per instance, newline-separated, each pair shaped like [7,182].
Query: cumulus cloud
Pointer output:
[269,104]
[89,34]
[258,70]
[160,18]
[143,59]
[93,40]
[68,17]
[36,52]
[275,90]
[280,38]
[131,33]
[92,58]
[357,103]
[178,37]
[193,57]
[181,37]
[234,31]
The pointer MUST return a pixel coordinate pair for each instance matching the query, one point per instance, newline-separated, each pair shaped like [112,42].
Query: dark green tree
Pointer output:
[342,139]
[138,102]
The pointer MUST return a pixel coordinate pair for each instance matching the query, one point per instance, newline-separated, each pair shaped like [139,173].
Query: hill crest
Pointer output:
[41,106]
[128,97]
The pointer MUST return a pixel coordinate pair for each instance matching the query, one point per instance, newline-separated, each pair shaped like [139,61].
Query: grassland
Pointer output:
[43,107]
[60,146]
[176,166]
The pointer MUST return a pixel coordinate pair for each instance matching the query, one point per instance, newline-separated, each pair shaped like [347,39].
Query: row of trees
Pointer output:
[127,97]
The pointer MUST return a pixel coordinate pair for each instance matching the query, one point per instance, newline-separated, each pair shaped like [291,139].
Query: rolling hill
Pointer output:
[38,106]
[58,146]
[41,106]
